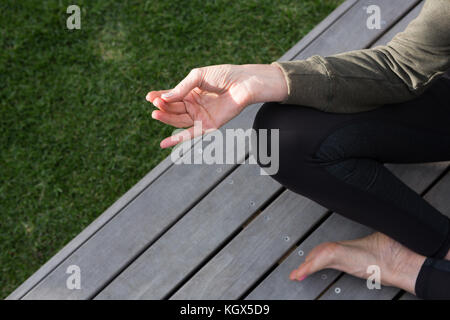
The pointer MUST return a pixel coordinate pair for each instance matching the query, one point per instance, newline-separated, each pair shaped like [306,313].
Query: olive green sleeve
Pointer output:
[365,79]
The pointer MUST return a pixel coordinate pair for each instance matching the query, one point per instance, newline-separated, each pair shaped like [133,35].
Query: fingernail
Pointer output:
[167,95]
[153,114]
[302,278]
[147,97]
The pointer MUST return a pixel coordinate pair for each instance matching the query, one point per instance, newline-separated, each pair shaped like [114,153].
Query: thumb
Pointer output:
[192,80]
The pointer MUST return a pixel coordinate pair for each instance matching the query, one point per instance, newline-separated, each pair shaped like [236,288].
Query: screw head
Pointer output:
[219,170]
[300,253]
[337,290]
[323,277]
[231,181]
[286,238]
[252,203]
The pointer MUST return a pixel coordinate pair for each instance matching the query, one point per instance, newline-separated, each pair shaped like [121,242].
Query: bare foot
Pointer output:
[399,266]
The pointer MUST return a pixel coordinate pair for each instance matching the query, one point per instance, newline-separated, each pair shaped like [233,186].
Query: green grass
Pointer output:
[75,130]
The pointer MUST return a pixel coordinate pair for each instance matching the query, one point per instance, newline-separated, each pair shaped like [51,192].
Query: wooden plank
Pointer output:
[418,176]
[120,204]
[352,288]
[131,231]
[188,243]
[233,270]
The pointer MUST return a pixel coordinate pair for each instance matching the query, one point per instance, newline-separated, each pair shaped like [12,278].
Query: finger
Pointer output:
[176,120]
[182,136]
[152,95]
[173,107]
[192,81]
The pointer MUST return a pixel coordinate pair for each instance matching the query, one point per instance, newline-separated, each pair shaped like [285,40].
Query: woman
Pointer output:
[340,118]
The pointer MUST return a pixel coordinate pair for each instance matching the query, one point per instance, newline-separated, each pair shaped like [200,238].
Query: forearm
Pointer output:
[364,79]
[351,82]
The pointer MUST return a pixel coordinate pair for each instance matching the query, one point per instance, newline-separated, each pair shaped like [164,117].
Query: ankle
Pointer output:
[405,278]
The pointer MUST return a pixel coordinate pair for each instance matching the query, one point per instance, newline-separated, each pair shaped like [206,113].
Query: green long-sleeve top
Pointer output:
[365,79]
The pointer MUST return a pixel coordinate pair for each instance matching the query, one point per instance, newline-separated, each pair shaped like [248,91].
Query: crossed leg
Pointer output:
[337,160]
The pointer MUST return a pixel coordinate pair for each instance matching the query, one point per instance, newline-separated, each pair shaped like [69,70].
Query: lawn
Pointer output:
[75,129]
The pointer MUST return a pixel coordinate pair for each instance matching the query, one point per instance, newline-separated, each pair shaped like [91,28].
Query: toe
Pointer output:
[301,272]
[321,257]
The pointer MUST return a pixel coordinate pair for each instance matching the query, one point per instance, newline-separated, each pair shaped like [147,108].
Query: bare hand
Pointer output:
[213,96]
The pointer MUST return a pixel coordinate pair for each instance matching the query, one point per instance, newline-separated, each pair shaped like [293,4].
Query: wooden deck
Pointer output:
[225,231]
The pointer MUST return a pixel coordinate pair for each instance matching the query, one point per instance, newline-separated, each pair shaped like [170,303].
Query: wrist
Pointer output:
[279,84]
[267,83]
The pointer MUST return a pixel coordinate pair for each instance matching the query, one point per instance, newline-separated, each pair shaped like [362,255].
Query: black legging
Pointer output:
[337,161]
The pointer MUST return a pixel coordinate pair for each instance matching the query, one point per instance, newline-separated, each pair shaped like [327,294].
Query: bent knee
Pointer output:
[284,135]
[298,129]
